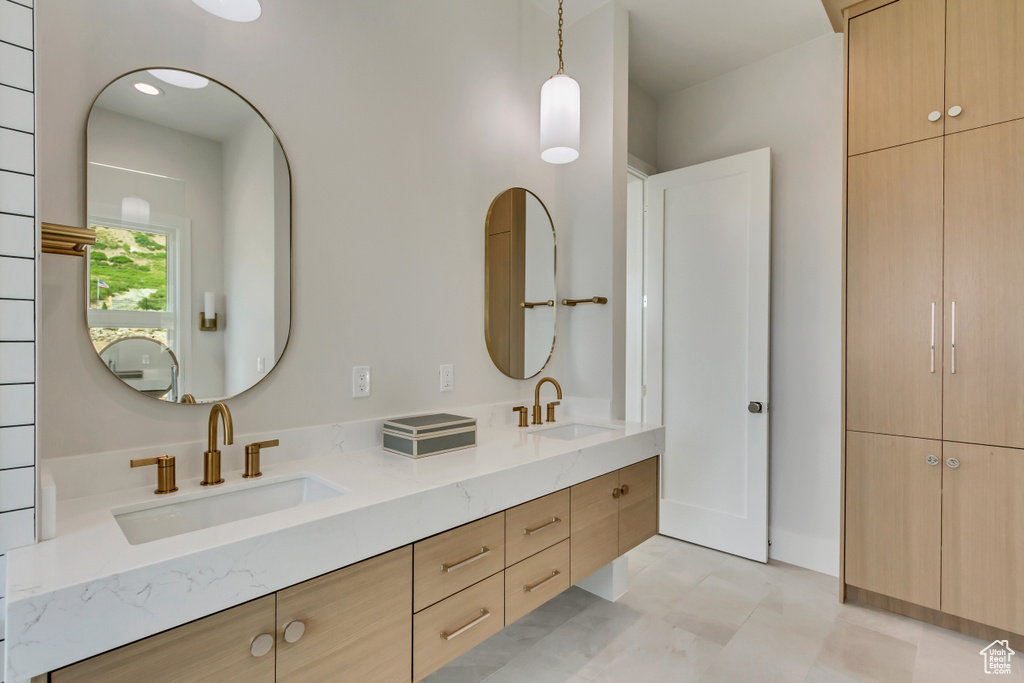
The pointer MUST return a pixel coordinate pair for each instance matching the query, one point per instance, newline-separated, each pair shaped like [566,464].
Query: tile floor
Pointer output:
[693,614]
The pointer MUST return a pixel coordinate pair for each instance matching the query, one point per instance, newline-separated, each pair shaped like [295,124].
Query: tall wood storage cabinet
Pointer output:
[934,405]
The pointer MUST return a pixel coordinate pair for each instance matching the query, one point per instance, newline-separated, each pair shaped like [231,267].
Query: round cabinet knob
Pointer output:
[261,645]
[932,460]
[953,463]
[625,489]
[755,407]
[935,116]
[294,631]
[955,110]
[616,493]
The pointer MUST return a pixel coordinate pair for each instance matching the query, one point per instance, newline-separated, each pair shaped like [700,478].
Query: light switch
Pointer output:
[360,381]
[447,378]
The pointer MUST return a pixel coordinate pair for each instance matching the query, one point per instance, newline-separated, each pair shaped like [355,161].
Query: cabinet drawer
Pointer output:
[534,526]
[453,626]
[535,580]
[445,564]
[595,525]
[215,649]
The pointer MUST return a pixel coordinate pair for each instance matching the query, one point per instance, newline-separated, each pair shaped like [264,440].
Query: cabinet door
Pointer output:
[893,516]
[215,649]
[358,624]
[638,505]
[982,541]
[895,74]
[984,62]
[894,291]
[594,523]
[983,386]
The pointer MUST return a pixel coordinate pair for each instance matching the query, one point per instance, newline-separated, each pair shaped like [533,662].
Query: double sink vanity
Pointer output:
[362,565]
[334,559]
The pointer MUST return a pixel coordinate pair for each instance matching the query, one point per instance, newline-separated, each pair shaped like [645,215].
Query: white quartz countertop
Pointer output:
[88,590]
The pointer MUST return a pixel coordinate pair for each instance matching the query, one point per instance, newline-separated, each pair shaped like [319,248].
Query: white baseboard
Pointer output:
[810,552]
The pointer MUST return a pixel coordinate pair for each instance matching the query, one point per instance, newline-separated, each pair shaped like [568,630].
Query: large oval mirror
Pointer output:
[189,192]
[519,256]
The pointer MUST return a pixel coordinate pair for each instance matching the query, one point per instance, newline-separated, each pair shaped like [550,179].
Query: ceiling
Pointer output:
[675,44]
[213,112]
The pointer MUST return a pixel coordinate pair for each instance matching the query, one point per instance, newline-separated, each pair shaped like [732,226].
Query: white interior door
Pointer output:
[707,272]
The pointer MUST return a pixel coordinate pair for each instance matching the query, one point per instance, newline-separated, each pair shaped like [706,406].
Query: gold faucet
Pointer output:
[211,458]
[551,406]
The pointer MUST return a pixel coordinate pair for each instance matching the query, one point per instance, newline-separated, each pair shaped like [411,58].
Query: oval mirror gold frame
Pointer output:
[519,309]
[244,342]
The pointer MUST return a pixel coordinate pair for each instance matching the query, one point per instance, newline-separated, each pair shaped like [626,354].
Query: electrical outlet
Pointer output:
[447,378]
[360,381]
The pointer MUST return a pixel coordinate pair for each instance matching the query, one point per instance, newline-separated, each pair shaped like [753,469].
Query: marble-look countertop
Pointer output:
[88,590]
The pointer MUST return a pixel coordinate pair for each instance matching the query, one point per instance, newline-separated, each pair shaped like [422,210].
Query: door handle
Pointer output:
[755,407]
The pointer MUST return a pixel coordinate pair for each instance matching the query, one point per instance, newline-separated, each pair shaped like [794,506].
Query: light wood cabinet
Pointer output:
[982,542]
[455,625]
[983,398]
[606,522]
[935,220]
[594,515]
[536,525]
[895,74]
[894,291]
[984,62]
[638,504]
[215,649]
[357,624]
[893,523]
[456,559]
[535,580]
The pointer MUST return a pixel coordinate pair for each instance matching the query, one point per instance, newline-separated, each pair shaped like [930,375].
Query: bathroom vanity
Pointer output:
[408,565]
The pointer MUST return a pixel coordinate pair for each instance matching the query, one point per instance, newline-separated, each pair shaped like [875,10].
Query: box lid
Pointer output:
[418,425]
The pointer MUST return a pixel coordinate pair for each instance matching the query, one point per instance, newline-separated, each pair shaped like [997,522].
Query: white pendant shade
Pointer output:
[560,120]
[232,10]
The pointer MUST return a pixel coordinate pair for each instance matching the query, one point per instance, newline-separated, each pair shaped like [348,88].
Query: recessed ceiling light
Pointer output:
[147,89]
[182,79]
[232,10]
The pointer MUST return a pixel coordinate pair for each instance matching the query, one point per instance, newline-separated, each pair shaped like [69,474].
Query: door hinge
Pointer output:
[643,390]
[645,301]
[645,209]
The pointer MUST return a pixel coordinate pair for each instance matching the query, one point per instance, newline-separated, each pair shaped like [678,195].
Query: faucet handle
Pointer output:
[252,457]
[522,410]
[165,480]
[551,410]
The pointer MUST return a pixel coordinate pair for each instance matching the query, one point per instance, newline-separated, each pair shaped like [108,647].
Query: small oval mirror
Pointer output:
[144,364]
[519,296]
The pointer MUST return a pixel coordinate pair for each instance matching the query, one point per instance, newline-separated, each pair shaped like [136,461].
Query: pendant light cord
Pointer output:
[561,66]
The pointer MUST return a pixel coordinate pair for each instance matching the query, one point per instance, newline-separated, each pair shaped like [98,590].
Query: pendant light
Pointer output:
[560,113]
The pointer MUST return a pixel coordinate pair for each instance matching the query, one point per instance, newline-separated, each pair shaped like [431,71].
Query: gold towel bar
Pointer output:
[595,300]
[66,240]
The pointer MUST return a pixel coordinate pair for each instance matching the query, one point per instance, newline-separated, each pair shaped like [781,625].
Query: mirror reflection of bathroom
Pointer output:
[189,193]
[520,283]
[144,364]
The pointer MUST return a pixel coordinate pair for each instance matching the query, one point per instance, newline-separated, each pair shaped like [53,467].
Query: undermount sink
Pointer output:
[153,522]
[572,431]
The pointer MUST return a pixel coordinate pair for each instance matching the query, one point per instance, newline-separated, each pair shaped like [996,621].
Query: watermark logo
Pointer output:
[997,657]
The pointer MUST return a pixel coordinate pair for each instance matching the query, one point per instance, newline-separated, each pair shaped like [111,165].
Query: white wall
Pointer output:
[401,122]
[591,241]
[643,125]
[249,263]
[793,102]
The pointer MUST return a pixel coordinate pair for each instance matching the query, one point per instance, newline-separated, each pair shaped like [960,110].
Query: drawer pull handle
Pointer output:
[458,632]
[542,527]
[616,492]
[449,568]
[540,584]
[625,489]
